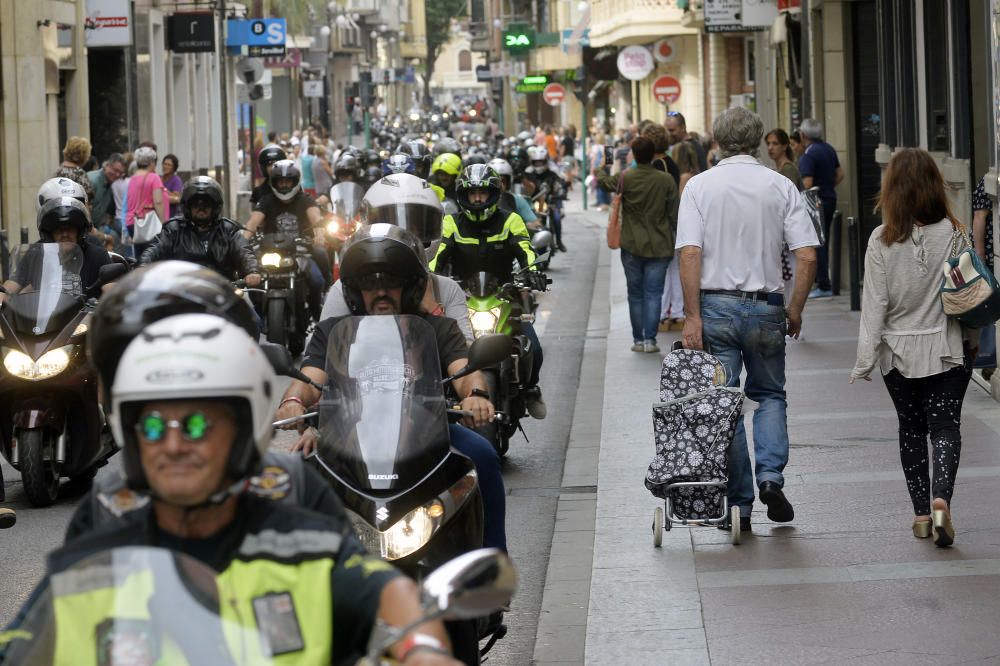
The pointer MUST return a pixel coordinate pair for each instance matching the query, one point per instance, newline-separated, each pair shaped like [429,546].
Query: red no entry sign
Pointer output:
[554,94]
[667,89]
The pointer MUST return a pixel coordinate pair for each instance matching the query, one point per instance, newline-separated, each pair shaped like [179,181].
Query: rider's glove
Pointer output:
[538,281]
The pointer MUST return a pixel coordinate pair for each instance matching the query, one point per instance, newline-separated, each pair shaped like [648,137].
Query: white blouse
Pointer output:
[903,324]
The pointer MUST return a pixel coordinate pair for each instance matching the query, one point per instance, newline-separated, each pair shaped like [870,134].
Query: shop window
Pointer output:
[464,61]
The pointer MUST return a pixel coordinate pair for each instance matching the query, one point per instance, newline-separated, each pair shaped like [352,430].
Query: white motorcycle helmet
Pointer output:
[539,158]
[196,356]
[58,188]
[405,201]
[503,169]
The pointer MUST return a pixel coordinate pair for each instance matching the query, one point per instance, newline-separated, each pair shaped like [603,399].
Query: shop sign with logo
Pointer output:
[108,23]
[635,62]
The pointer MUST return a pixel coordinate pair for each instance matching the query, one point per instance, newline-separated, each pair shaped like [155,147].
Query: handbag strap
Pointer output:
[959,234]
[621,183]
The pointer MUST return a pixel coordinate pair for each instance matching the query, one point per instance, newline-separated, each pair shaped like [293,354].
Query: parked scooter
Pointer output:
[496,308]
[51,423]
[384,447]
[284,262]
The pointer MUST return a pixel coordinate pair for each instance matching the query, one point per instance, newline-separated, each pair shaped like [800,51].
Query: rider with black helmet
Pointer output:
[202,236]
[266,158]
[421,155]
[383,275]
[487,238]
[347,168]
[539,175]
[64,220]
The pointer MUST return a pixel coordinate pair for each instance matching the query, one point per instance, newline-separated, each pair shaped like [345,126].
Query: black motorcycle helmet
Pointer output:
[383,251]
[518,158]
[372,158]
[347,166]
[446,144]
[151,293]
[373,174]
[421,155]
[283,172]
[475,158]
[63,212]
[268,155]
[478,177]
[201,189]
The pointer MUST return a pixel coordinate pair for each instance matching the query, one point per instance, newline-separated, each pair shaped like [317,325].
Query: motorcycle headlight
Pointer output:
[333,227]
[415,529]
[484,321]
[50,364]
[270,260]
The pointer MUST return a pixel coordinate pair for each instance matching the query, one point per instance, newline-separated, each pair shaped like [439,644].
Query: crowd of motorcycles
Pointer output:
[421,509]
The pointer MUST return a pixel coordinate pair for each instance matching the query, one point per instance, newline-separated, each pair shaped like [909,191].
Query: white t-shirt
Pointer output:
[741,214]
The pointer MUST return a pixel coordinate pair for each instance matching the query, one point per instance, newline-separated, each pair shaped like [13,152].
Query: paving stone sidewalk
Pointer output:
[846,581]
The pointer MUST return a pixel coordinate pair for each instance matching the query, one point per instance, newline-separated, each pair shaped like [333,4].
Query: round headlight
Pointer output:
[270,260]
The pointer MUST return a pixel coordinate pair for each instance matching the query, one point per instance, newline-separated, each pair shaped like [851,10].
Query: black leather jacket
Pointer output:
[556,185]
[228,251]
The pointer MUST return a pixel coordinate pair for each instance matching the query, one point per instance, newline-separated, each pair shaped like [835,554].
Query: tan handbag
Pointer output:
[615,217]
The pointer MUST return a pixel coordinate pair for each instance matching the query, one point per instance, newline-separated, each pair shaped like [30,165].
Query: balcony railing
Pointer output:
[614,21]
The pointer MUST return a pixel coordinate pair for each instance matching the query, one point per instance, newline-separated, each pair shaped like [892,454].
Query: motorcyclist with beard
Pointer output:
[299,579]
[202,236]
[383,275]
[540,175]
[484,237]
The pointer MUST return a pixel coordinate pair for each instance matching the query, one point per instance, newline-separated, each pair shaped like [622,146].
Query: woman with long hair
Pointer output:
[687,162]
[779,149]
[924,357]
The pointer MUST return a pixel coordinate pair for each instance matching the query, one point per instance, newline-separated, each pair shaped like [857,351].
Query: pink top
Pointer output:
[140,195]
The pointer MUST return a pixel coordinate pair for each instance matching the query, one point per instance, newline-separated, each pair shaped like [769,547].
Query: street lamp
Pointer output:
[583,6]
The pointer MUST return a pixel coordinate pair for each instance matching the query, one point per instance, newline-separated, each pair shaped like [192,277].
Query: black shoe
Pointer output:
[744,524]
[779,509]
[562,248]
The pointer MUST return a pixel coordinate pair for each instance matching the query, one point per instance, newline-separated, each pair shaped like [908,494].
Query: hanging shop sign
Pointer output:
[664,50]
[191,32]
[635,62]
[108,23]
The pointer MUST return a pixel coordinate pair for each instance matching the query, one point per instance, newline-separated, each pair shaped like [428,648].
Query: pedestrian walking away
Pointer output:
[732,223]
[924,356]
[649,224]
[820,167]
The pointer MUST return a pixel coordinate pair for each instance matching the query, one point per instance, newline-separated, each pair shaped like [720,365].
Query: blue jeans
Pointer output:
[744,333]
[644,277]
[555,221]
[487,462]
[536,352]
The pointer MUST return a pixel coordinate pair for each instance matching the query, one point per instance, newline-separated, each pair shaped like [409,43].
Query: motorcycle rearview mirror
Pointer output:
[106,274]
[281,360]
[486,351]
[471,585]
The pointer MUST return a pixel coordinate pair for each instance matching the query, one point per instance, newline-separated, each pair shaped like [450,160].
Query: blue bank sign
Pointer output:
[263,37]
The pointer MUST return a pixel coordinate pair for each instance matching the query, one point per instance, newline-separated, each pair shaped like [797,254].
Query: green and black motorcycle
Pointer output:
[501,308]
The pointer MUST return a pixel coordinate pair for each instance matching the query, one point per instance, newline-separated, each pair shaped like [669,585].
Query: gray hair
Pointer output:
[145,157]
[115,158]
[738,131]
[811,128]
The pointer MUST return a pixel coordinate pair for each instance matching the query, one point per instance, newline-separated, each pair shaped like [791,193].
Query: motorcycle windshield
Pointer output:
[481,285]
[142,605]
[345,200]
[51,287]
[383,419]
[422,221]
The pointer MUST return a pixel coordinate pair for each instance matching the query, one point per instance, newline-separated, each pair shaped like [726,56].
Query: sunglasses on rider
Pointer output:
[153,426]
[376,281]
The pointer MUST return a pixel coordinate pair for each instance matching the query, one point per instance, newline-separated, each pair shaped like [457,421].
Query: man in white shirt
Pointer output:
[733,221]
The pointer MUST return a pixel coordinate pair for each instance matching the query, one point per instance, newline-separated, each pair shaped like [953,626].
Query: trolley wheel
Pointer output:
[734,525]
[658,526]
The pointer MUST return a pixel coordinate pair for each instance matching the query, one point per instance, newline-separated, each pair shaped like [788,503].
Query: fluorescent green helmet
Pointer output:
[450,163]
[478,177]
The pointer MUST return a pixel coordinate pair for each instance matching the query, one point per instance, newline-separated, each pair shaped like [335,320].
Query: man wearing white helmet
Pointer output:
[191,401]
[409,202]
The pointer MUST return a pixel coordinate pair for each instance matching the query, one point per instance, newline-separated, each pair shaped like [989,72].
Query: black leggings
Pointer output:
[929,406]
